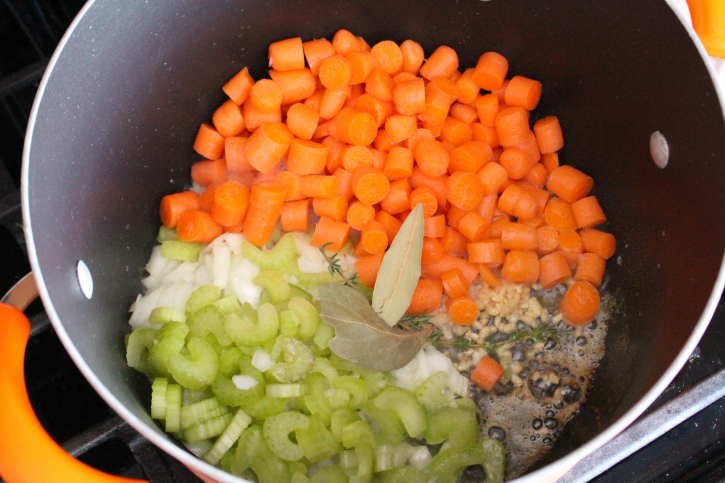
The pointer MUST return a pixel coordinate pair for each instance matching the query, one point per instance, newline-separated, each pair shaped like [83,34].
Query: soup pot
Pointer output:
[119,105]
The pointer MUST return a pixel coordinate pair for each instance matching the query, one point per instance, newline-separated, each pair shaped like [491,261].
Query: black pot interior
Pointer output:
[119,113]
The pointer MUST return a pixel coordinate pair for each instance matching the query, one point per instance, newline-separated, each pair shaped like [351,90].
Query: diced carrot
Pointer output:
[379,84]
[548,134]
[359,214]
[432,158]
[389,56]
[379,158]
[296,85]
[523,92]
[512,126]
[550,162]
[268,145]
[571,245]
[353,126]
[359,251]
[540,196]
[426,297]
[307,157]
[239,86]
[455,132]
[486,251]
[363,64]
[464,113]
[441,63]
[426,197]
[398,198]
[175,205]
[413,56]
[516,162]
[473,226]
[468,87]
[295,215]
[492,176]
[454,283]
[490,71]
[599,242]
[392,225]
[370,185]
[382,142]
[553,270]
[236,158]
[313,102]
[335,207]
[287,54]
[536,176]
[330,231]
[488,276]
[315,52]
[265,205]
[530,147]
[353,158]
[373,237]
[486,134]
[253,117]
[464,190]
[438,185]
[517,236]
[487,373]
[497,227]
[333,157]
[209,172]
[487,207]
[435,128]
[209,143]
[587,212]
[535,222]
[455,215]
[379,109]
[569,183]
[231,200]
[228,119]
[402,77]
[344,183]
[509,198]
[367,268]
[580,303]
[246,178]
[197,226]
[453,242]
[501,93]
[399,164]
[435,226]
[520,266]
[319,186]
[559,215]
[345,42]
[420,134]
[206,200]
[487,108]
[302,120]
[447,262]
[335,72]
[266,96]
[332,102]
[462,310]
[432,250]
[440,94]
[590,268]
[547,240]
[356,91]
[400,127]
[293,182]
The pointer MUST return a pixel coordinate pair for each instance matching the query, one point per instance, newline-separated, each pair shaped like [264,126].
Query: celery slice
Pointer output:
[316,441]
[251,330]
[231,361]
[315,399]
[330,474]
[323,366]
[265,407]
[365,468]
[288,323]
[162,315]
[137,350]
[309,317]
[285,390]
[355,387]
[340,419]
[348,461]
[401,474]
[457,425]
[388,428]
[376,382]
[276,431]
[254,453]
[448,465]
[228,304]
[158,397]
[324,333]
[181,250]
[189,397]
[276,287]
[406,407]
[282,256]
[297,361]
[433,392]
[228,393]
[356,433]
[337,398]
[310,279]
[202,297]
[239,423]
[207,429]
[200,369]
[201,412]
[170,340]
[209,320]
[296,291]
[384,458]
[166,234]
[173,408]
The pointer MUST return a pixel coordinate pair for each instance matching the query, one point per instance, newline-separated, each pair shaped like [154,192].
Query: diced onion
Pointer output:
[244,382]
[261,360]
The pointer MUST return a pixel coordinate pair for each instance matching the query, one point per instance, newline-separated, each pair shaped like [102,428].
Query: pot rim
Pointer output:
[552,471]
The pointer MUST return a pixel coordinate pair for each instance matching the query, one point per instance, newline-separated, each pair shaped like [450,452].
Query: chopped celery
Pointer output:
[449,463]
[495,459]
[310,279]
[173,408]
[297,361]
[323,366]
[365,468]
[330,474]
[169,341]
[355,387]
[265,407]
[285,390]
[207,429]
[433,392]
[288,323]
[239,423]
[337,398]
[384,457]
[324,333]
[189,397]
[209,320]
[357,432]
[200,369]
[308,315]
[401,474]
[228,304]
[282,256]
[201,411]
[226,462]
[253,453]
[340,419]
[162,315]
[231,361]
[295,291]
[316,441]
[166,234]
[457,425]
[389,428]
[275,286]
[276,431]
[250,329]
[137,350]
[406,407]
[315,399]
[181,250]
[228,393]
[201,297]
[348,461]
[376,382]
[158,397]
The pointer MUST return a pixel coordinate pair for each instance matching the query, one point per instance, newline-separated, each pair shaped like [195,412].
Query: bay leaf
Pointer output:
[361,336]
[400,270]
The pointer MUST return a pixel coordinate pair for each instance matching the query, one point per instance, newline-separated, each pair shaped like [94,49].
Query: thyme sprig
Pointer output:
[539,334]
[333,266]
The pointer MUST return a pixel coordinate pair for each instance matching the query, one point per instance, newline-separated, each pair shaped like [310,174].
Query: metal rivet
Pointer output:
[85,279]
[659,149]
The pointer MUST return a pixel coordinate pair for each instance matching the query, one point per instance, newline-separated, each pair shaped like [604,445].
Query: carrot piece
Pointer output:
[473,226]
[426,297]
[315,52]
[370,185]
[374,237]
[332,102]
[467,87]
[382,143]
[296,85]
[526,208]
[402,77]
[253,117]
[344,183]
[571,245]
[379,158]
[432,158]
[485,134]
[399,164]
[454,283]
[330,231]
[228,119]
[400,127]
[520,266]
[487,373]
[487,207]
[512,126]
[536,176]
[508,199]
[363,64]
[464,190]
[487,108]
[435,128]
[231,200]
[175,205]
[319,186]
[516,162]
[437,184]
[333,157]
[367,268]
[389,56]
[548,135]
[353,158]
[441,63]
[209,172]
[419,135]
[307,157]
[530,147]
[455,215]
[236,158]
[268,195]
[488,276]
[197,226]
[380,110]
[559,215]
[464,113]
[345,42]
[587,212]
[453,242]
[486,251]
[435,226]
[359,214]
[295,215]
[398,198]
[268,145]
[517,236]
[535,222]
[302,120]
[293,183]
[245,178]
[266,96]
[599,242]
[497,226]
[523,92]
[206,200]
[353,126]
[547,240]
[313,102]
[413,56]
[569,183]
[455,132]
[359,251]
[379,84]
[426,197]
[492,176]
[590,269]
[392,225]
[440,94]
[335,72]
[237,88]
[501,93]
[553,270]
[580,304]
[490,71]
[462,310]
[209,143]
[287,54]
[432,250]
[550,162]
[335,207]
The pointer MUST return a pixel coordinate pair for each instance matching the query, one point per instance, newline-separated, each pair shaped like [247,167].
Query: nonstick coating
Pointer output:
[124,100]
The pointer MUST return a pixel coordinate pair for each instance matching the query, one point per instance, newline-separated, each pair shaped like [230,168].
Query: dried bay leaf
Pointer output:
[361,336]
[400,270]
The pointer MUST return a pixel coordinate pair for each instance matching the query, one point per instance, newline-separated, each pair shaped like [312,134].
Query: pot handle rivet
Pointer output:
[659,149]
[85,279]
